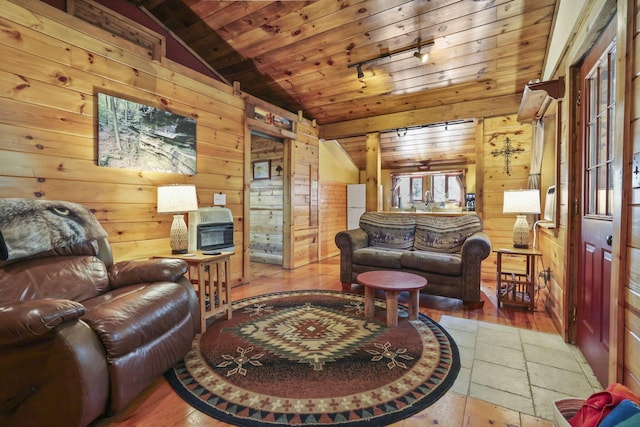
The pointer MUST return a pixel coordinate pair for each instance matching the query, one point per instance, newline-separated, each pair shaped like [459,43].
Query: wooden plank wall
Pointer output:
[552,242]
[631,293]
[48,125]
[305,160]
[267,204]
[496,181]
[333,216]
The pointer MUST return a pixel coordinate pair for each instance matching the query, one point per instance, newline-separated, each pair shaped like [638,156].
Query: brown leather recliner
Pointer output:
[81,335]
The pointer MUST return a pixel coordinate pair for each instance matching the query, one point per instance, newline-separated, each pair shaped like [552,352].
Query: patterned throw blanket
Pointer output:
[28,227]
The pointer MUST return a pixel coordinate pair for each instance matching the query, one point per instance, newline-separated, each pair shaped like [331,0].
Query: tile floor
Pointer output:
[517,368]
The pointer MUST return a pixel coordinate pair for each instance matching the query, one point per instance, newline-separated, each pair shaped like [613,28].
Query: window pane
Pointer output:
[610,192]
[602,187]
[438,184]
[593,98]
[590,185]
[612,101]
[454,189]
[603,87]
[602,143]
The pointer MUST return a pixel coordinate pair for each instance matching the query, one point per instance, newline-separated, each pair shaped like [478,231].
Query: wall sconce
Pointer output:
[388,53]
[279,170]
[178,199]
[521,202]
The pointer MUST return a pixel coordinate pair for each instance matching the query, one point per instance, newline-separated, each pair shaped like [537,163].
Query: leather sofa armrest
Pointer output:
[24,322]
[125,273]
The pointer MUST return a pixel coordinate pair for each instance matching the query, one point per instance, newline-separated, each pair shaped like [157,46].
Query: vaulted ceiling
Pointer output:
[303,56]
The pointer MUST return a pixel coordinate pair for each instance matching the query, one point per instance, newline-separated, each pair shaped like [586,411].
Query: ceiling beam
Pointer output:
[488,107]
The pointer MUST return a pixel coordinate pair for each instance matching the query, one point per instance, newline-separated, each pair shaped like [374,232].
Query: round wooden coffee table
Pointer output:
[392,282]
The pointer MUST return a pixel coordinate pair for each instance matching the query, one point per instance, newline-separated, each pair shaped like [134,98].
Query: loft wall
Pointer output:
[49,78]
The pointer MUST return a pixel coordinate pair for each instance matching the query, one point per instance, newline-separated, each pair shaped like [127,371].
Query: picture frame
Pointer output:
[262,169]
[137,136]
[416,189]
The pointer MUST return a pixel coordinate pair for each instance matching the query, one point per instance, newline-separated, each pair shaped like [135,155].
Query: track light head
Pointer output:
[385,53]
[423,57]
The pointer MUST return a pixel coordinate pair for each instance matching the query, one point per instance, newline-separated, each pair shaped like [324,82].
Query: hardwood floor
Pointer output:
[160,406]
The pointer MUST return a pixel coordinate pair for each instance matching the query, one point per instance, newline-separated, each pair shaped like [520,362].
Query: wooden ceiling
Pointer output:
[297,55]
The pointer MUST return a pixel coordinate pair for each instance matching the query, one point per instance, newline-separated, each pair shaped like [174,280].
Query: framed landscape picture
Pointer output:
[137,136]
[262,169]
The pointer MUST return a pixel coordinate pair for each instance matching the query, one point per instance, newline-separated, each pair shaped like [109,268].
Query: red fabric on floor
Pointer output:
[598,405]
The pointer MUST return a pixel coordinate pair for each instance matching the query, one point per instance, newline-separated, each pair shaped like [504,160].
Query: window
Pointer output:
[408,189]
[447,188]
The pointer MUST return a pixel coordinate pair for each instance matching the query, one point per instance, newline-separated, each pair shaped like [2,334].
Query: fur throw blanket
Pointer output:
[29,227]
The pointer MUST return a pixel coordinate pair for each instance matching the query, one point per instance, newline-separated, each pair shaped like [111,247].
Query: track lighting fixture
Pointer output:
[388,53]
[400,132]
[423,57]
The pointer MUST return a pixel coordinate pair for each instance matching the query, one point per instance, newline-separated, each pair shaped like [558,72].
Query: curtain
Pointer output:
[463,191]
[395,191]
[537,148]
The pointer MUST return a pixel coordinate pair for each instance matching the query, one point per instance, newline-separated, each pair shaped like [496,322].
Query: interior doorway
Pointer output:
[266,200]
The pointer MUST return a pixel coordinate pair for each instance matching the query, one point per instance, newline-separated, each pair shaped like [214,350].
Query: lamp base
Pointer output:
[521,232]
[179,237]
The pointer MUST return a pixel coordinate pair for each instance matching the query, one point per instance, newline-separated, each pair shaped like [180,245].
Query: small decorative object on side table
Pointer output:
[517,288]
[212,281]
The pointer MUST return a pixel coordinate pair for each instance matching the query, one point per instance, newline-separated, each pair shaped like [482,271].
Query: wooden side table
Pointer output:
[392,282]
[211,275]
[517,288]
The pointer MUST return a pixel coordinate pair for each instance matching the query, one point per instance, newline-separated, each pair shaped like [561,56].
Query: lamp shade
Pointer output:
[178,198]
[521,202]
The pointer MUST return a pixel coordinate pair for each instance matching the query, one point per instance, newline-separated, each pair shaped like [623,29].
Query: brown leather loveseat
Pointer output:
[81,335]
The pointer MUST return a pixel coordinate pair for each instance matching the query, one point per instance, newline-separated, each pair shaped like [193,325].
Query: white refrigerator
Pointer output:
[356,204]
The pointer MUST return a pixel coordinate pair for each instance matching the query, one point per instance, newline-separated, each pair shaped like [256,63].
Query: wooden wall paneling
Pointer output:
[632,332]
[49,126]
[495,181]
[333,218]
[490,107]
[313,196]
[372,170]
[307,153]
[629,325]
[480,147]
[105,18]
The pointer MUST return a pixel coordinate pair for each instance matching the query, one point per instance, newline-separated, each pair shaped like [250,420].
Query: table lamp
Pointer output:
[177,199]
[522,203]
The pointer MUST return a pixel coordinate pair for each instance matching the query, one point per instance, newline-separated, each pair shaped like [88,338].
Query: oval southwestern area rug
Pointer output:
[312,358]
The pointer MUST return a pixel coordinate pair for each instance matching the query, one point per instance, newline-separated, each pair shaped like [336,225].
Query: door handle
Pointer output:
[609,239]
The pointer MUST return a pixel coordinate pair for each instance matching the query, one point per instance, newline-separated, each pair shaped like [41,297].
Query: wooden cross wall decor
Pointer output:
[507,151]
